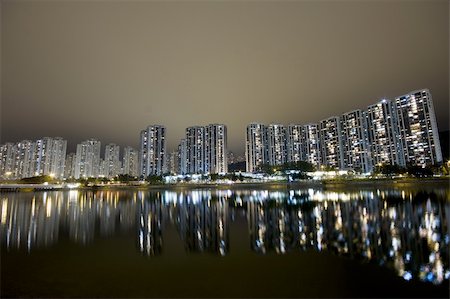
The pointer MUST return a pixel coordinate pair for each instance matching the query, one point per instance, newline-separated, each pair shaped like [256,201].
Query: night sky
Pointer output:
[107,69]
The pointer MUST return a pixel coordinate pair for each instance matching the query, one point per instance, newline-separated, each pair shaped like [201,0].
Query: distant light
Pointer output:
[72,186]
[447,274]
[407,276]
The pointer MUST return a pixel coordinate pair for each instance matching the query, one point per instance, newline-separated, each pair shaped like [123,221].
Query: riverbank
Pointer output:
[400,183]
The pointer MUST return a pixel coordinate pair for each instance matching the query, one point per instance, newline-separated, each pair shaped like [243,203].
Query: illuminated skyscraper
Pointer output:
[88,159]
[182,157]
[384,140]
[7,153]
[195,149]
[418,128]
[69,169]
[50,156]
[23,159]
[26,158]
[355,142]
[130,161]
[173,163]
[311,145]
[295,143]
[216,149]
[255,147]
[276,144]
[58,157]
[153,151]
[112,160]
[331,143]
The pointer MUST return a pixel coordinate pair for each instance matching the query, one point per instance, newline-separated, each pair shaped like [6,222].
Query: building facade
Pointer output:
[216,158]
[294,143]
[331,150]
[418,128]
[384,139]
[276,144]
[88,159]
[69,168]
[26,158]
[112,160]
[7,160]
[58,157]
[49,156]
[182,157]
[152,151]
[255,147]
[311,144]
[173,165]
[355,142]
[195,150]
[23,159]
[130,161]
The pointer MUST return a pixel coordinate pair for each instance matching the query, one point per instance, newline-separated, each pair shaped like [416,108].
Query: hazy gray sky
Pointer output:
[107,69]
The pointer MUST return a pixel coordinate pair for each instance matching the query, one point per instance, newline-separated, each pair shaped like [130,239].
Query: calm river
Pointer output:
[226,243]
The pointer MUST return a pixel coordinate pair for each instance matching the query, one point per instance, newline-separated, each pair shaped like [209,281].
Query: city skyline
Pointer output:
[399,132]
[288,62]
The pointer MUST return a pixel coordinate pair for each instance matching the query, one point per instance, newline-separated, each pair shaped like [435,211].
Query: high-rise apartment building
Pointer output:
[216,148]
[276,144]
[384,139]
[355,142]
[88,159]
[294,143]
[102,169]
[195,145]
[152,151]
[23,159]
[182,157]
[112,160]
[311,144]
[26,158]
[331,143]
[255,147]
[49,156]
[418,128]
[7,154]
[130,161]
[58,157]
[69,168]
[172,164]
[202,151]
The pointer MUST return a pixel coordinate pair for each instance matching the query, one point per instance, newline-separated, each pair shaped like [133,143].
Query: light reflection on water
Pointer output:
[407,231]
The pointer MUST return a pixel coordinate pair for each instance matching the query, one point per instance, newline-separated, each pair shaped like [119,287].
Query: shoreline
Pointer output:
[325,184]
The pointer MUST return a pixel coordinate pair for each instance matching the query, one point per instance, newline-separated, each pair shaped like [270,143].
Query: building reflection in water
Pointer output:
[31,220]
[409,234]
[201,218]
[407,231]
[149,222]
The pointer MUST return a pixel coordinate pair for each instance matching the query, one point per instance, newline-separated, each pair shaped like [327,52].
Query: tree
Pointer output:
[302,166]
[214,177]
[389,170]
[268,169]
[125,178]
[418,171]
[38,179]
[154,179]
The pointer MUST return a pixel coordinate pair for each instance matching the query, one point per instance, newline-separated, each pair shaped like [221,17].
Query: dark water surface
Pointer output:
[226,243]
